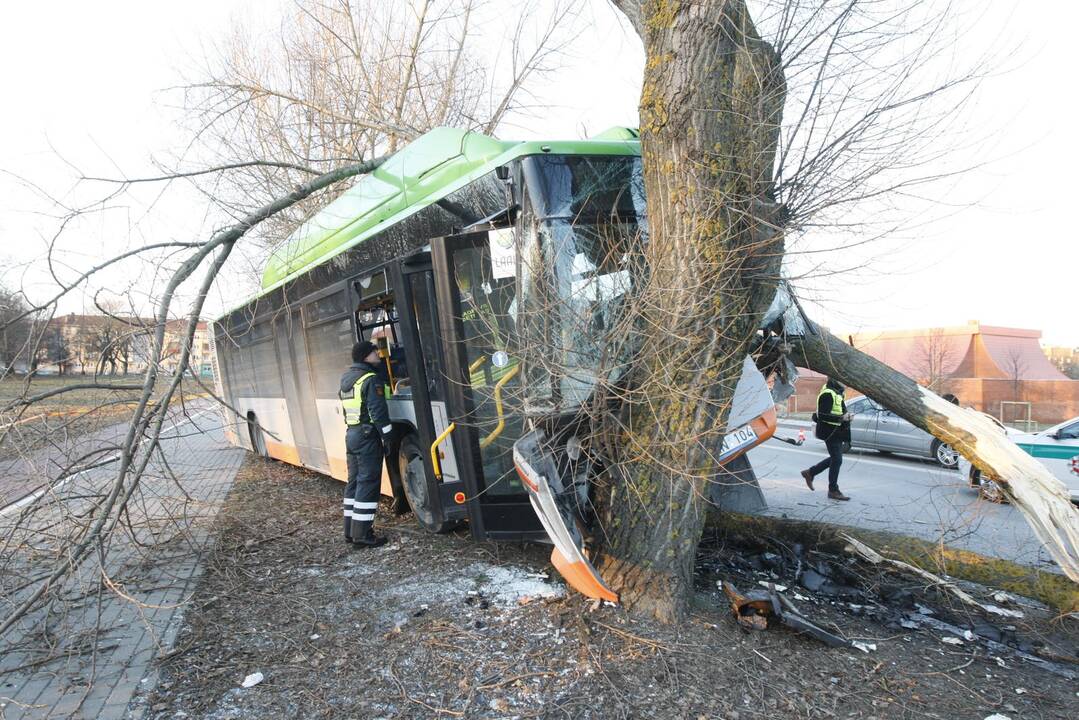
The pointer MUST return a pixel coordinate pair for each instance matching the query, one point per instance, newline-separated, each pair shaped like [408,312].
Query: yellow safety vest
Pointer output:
[352,401]
[837,404]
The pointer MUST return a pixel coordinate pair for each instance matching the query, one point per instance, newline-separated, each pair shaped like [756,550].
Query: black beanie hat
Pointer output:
[362,349]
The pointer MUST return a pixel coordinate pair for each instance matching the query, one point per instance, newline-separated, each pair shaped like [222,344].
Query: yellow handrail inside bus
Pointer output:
[435,463]
[389,369]
[434,450]
[382,343]
[498,408]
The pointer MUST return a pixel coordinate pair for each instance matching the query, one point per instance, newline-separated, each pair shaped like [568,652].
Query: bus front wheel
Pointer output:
[414,482]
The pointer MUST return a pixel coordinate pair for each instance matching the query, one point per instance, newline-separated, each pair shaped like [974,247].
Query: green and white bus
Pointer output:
[442,255]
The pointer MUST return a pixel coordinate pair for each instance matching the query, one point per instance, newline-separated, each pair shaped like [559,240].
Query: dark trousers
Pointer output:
[832,463]
[363,448]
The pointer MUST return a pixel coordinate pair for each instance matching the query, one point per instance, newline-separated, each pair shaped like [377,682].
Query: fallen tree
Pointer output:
[1043,500]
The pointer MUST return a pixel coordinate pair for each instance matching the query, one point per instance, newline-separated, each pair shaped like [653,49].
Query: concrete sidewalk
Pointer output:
[87,656]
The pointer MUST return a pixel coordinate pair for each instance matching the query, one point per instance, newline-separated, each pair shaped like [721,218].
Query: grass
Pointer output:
[85,399]
[73,413]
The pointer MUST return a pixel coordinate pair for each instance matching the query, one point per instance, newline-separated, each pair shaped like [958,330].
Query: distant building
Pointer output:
[199,360]
[1064,359]
[94,344]
[989,368]
[104,345]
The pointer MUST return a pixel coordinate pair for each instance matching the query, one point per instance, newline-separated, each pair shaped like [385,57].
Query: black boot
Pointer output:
[371,541]
[363,535]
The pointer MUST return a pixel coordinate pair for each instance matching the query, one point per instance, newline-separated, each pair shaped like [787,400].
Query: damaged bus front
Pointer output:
[581,237]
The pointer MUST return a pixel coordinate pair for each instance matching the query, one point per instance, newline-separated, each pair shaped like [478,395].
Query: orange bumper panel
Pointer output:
[582,578]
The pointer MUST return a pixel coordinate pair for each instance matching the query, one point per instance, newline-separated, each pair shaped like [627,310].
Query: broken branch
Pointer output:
[1043,500]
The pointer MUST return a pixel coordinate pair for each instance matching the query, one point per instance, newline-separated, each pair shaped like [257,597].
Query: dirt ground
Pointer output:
[440,626]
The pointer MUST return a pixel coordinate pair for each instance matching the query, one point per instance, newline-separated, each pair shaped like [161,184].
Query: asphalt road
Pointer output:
[894,494]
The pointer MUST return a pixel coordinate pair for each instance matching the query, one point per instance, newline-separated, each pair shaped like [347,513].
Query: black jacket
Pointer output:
[826,431]
[374,402]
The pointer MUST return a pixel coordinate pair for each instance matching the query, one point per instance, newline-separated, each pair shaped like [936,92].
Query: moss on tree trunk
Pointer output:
[710,110]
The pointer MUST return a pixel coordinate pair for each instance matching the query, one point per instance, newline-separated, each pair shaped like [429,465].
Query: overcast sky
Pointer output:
[83,82]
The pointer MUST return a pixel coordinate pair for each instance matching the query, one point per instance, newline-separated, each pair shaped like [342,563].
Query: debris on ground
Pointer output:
[868,553]
[436,626]
[754,610]
[870,586]
[252,680]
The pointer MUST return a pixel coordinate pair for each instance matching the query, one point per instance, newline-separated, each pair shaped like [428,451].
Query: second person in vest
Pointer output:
[833,427]
[366,437]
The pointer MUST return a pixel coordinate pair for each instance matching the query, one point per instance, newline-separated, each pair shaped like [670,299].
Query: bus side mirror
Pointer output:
[502,172]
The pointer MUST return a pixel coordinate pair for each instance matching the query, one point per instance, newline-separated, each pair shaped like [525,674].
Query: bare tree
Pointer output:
[932,360]
[315,109]
[140,443]
[110,343]
[55,349]
[1014,365]
[16,328]
[346,81]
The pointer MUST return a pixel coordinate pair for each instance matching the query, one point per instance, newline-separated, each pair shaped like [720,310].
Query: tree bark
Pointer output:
[1030,487]
[710,110]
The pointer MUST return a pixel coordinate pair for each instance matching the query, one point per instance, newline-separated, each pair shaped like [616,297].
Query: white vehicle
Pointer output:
[1057,448]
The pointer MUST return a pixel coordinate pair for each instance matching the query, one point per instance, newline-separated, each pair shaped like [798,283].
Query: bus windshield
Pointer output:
[583,225]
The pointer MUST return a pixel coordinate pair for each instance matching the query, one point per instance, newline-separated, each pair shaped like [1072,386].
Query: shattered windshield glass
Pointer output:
[584,224]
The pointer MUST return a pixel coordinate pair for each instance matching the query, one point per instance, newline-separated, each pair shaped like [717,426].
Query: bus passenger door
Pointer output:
[475,278]
[430,490]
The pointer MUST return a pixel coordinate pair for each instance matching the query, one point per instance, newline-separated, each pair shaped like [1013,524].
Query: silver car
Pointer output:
[874,428]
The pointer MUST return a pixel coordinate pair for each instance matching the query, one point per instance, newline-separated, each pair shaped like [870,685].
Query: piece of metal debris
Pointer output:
[779,588]
[750,610]
[812,580]
[753,609]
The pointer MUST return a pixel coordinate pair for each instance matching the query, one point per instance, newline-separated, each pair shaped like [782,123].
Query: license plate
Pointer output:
[735,441]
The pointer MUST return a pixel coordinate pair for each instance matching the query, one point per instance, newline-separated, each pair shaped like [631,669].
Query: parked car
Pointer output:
[1057,448]
[874,428]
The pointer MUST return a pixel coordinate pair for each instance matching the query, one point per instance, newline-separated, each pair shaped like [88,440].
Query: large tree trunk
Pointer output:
[710,110]
[1042,499]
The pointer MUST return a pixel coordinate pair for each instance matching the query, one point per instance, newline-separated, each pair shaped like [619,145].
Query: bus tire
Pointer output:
[400,504]
[414,482]
[257,437]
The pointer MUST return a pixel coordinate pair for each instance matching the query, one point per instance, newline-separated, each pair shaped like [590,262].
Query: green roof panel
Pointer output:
[424,171]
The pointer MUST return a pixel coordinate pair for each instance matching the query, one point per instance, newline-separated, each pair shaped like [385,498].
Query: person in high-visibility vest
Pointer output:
[833,427]
[368,429]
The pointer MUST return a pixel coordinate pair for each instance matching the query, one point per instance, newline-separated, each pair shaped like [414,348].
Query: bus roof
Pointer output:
[423,172]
